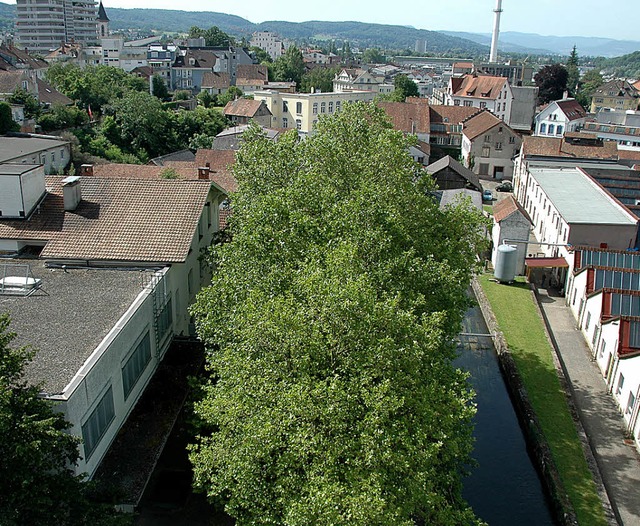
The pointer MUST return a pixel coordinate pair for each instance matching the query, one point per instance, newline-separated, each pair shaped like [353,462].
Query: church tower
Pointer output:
[102,22]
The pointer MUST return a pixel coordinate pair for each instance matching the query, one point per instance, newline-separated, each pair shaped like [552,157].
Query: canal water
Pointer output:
[504,489]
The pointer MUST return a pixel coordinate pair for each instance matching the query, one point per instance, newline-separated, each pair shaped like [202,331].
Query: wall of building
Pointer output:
[492,153]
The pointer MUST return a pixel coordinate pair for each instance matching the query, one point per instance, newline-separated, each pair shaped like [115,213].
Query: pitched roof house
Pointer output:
[241,111]
[559,117]
[510,222]
[618,94]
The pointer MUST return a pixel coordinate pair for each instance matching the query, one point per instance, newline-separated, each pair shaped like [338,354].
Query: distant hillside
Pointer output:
[511,41]
[627,66]
[7,16]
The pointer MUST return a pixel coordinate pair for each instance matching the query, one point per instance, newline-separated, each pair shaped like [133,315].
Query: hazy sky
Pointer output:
[546,17]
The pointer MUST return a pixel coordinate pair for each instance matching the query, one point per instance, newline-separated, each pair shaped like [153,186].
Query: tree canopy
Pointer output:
[289,67]
[37,482]
[332,398]
[552,82]
[7,124]
[213,36]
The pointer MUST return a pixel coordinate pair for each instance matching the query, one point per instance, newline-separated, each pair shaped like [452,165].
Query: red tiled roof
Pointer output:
[572,109]
[407,117]
[481,123]
[440,114]
[252,74]
[243,107]
[558,147]
[212,79]
[507,206]
[485,87]
[220,163]
[117,220]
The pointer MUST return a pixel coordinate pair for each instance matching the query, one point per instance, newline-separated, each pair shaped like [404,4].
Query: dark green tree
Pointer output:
[260,55]
[37,481]
[31,105]
[552,82]
[160,89]
[231,94]
[213,36]
[573,74]
[373,55]
[319,79]
[290,66]
[404,87]
[589,83]
[7,124]
[62,117]
[333,397]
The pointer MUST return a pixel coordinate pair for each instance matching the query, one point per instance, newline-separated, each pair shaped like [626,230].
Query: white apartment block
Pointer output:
[302,110]
[42,25]
[269,42]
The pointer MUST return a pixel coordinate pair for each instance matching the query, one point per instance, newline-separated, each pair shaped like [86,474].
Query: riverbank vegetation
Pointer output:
[523,329]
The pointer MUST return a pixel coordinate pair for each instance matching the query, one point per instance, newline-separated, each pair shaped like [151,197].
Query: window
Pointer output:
[559,130]
[487,138]
[543,128]
[315,108]
[285,122]
[552,129]
[298,108]
[483,105]
[136,364]
[98,422]
[486,151]
[285,106]
[586,325]
[512,140]
[620,384]
[484,169]
[468,103]
[602,348]
[61,154]
[338,103]
[456,102]
[298,124]
[330,106]
[165,320]
[498,146]
[630,403]
[323,107]
[499,129]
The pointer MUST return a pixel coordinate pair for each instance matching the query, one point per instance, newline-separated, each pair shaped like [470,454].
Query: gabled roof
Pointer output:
[559,147]
[181,155]
[10,81]
[16,55]
[619,88]
[252,74]
[47,94]
[572,109]
[483,87]
[441,114]
[102,14]
[408,117]
[481,123]
[506,207]
[145,221]
[201,58]
[449,162]
[244,107]
[220,162]
[212,79]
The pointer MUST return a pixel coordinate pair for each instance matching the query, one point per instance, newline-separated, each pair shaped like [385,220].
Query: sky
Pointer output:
[589,18]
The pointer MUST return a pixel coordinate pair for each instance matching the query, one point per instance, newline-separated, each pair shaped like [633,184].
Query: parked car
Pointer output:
[505,186]
[487,195]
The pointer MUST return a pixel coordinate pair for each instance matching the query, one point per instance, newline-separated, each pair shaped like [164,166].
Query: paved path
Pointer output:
[619,463]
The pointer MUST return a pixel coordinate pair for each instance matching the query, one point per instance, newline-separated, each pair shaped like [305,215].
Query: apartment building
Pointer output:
[269,42]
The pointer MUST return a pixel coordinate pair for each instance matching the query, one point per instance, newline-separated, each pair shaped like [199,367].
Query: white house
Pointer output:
[559,117]
[50,152]
[118,266]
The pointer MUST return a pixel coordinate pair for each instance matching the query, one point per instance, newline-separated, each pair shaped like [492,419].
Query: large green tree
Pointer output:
[214,36]
[290,66]
[319,79]
[330,321]
[7,124]
[37,484]
[573,74]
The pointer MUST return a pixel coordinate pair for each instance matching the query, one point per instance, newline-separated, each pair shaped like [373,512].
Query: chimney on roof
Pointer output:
[71,193]
[203,172]
[86,170]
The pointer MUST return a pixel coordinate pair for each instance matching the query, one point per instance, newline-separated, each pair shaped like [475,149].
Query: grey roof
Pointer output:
[67,325]
[16,147]
[449,162]
[578,199]
[453,197]
[181,156]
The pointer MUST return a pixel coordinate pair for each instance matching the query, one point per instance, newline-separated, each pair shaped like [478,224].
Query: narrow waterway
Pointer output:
[504,488]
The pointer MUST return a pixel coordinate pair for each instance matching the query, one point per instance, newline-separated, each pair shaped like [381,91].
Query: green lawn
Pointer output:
[523,328]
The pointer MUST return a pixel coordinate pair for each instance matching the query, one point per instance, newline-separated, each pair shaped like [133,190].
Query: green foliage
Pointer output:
[94,86]
[61,117]
[160,89]
[260,55]
[37,482]
[232,93]
[589,83]
[7,124]
[213,36]
[551,81]
[321,79]
[404,87]
[205,98]
[201,141]
[373,55]
[626,66]
[333,398]
[289,67]
[181,95]
[169,173]
[573,75]
[23,98]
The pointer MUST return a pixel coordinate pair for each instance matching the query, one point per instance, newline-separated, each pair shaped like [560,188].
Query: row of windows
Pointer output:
[551,130]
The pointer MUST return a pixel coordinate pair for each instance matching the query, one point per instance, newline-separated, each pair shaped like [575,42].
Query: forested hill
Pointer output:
[357,33]
[626,66]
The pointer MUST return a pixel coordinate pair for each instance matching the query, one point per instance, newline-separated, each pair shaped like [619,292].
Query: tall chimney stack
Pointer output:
[493,58]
